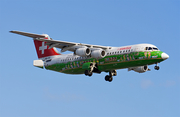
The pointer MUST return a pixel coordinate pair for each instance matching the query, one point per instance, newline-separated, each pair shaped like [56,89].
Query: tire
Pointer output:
[90,73]
[110,79]
[156,67]
[86,72]
[107,78]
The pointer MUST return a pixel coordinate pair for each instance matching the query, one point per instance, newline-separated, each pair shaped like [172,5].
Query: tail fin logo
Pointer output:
[42,48]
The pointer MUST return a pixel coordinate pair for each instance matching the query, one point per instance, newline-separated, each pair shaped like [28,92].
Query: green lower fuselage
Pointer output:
[110,62]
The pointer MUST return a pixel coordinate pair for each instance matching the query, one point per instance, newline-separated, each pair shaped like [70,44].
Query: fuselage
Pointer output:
[116,58]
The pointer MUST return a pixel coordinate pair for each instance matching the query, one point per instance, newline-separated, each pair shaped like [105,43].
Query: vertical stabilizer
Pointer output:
[43,50]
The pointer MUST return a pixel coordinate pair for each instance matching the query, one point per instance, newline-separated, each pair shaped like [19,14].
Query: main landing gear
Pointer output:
[156,67]
[109,77]
[93,68]
[88,73]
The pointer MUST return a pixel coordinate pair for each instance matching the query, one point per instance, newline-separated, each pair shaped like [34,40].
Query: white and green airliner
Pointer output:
[88,59]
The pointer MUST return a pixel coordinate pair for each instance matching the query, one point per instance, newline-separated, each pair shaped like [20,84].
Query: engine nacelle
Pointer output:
[82,52]
[140,69]
[98,54]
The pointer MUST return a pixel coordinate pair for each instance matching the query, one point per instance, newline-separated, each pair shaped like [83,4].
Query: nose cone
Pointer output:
[164,56]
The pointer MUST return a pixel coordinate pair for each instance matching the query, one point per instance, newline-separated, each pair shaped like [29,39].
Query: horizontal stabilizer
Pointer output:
[28,34]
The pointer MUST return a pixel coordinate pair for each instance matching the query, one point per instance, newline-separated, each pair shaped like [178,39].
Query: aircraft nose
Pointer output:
[164,56]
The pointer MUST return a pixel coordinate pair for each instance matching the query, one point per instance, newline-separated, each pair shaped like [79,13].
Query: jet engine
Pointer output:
[140,69]
[98,54]
[82,52]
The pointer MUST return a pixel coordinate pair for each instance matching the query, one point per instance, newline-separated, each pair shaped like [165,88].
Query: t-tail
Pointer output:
[42,49]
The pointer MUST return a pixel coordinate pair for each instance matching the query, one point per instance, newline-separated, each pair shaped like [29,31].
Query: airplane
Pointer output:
[88,59]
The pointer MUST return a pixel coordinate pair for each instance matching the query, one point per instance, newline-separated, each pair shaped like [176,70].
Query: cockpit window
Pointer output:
[149,48]
[155,48]
[146,48]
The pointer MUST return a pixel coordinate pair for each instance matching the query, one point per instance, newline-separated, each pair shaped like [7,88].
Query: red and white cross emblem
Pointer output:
[42,48]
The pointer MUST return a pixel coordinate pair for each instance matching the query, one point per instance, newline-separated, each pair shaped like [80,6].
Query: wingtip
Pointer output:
[12,31]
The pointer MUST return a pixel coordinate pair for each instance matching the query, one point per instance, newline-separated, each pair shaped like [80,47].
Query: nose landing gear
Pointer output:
[156,67]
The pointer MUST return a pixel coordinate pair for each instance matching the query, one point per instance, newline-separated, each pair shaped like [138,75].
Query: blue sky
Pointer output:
[26,91]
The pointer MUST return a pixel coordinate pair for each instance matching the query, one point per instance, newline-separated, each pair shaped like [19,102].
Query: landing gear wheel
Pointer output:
[88,73]
[156,67]
[108,78]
